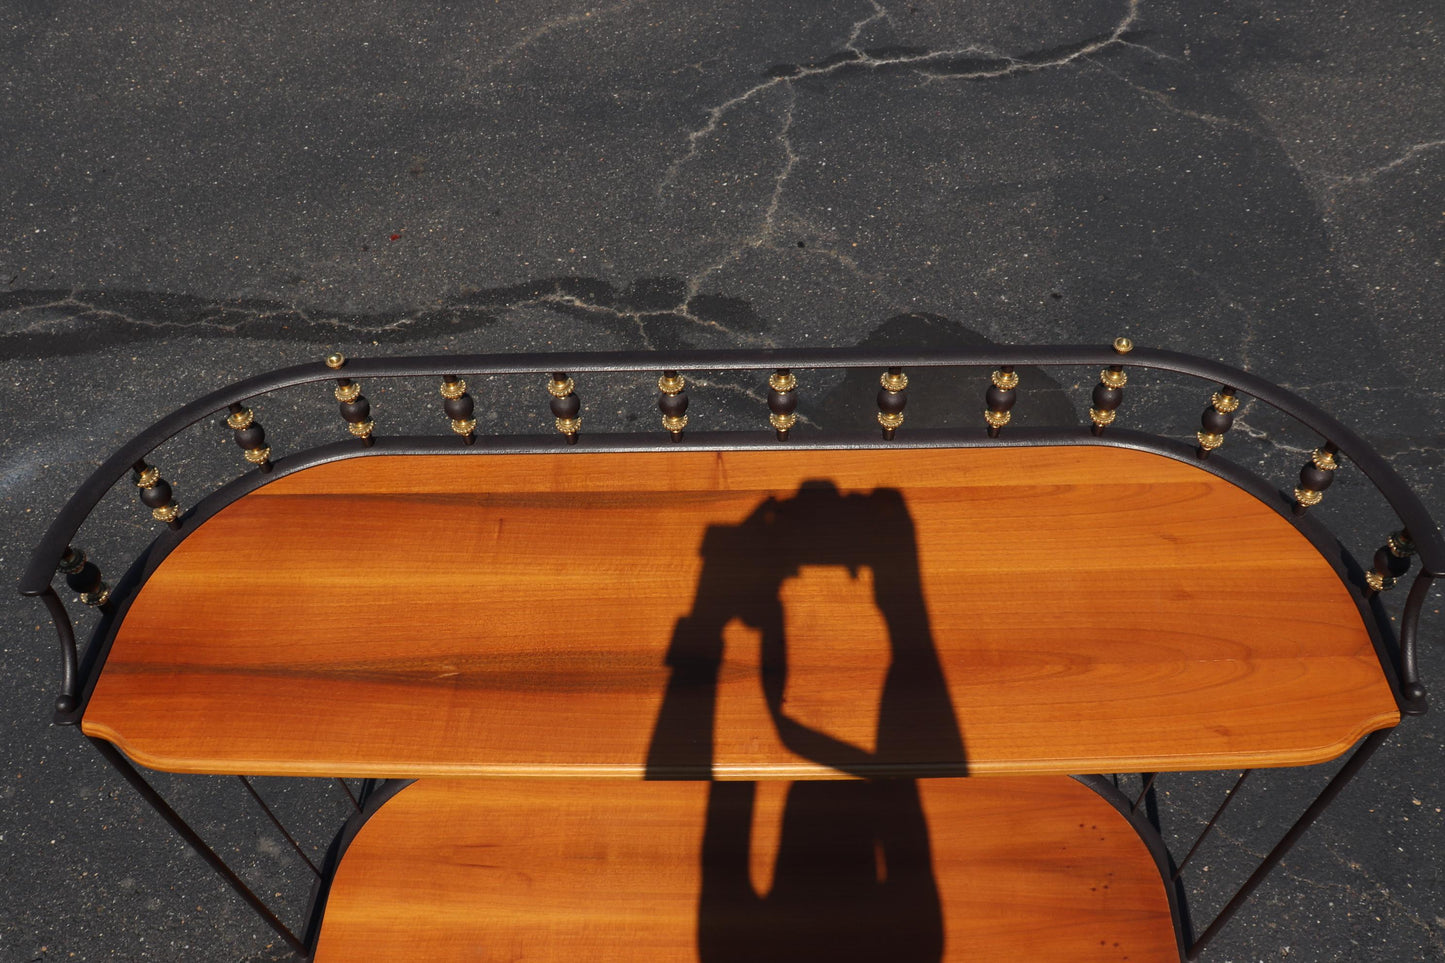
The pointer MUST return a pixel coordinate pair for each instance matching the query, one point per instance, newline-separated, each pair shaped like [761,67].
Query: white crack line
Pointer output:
[1410,154]
[682,310]
[766,229]
[561,23]
[716,114]
[1247,339]
[1384,891]
[1367,388]
[1015,65]
[1168,103]
[572,301]
[1260,435]
[1333,184]
[880,13]
[1012,65]
[714,118]
[78,308]
[753,395]
[765,232]
[848,261]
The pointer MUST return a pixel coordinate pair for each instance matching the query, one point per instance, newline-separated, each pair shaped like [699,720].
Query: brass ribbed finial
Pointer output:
[1109,392]
[892,398]
[155,494]
[1000,397]
[250,436]
[672,402]
[782,402]
[566,406]
[1216,420]
[1316,475]
[83,576]
[1391,562]
[459,408]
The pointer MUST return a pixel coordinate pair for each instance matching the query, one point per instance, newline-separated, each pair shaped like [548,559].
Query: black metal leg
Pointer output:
[280,827]
[1148,778]
[1209,826]
[1321,803]
[158,803]
[349,794]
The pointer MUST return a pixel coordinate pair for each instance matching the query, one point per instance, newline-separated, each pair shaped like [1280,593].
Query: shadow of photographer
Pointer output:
[852,877]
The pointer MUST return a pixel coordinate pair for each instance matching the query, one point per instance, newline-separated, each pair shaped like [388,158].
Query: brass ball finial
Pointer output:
[1123,346]
[335,360]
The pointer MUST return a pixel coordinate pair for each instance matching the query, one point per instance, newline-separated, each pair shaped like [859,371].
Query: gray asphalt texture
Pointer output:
[193,193]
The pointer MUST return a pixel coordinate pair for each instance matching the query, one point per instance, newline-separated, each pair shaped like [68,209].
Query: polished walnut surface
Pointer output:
[923,612]
[1023,868]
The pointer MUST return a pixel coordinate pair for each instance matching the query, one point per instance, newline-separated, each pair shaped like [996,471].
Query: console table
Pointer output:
[775,694]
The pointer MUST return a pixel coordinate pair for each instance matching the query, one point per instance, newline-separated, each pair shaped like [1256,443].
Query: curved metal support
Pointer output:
[1412,690]
[373,797]
[69,699]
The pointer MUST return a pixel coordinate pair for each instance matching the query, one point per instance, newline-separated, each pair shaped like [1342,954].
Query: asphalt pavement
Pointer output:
[195,192]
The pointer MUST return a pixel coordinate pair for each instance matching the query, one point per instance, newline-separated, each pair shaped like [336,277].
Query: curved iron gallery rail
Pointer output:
[1390,562]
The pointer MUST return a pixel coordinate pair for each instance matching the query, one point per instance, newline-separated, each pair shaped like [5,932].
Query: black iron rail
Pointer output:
[1405,503]
[1337,437]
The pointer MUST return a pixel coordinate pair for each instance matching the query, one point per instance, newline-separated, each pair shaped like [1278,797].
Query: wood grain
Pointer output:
[1089,610]
[1000,869]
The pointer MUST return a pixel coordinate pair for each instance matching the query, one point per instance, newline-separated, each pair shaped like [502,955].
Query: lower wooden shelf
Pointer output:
[1036,868]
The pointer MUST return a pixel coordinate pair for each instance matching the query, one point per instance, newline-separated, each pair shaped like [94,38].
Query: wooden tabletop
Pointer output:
[789,614]
[1038,869]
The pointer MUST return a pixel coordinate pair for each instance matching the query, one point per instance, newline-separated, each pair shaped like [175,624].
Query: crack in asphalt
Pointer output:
[1334,184]
[749,393]
[1404,909]
[57,313]
[763,236]
[716,114]
[635,318]
[1258,434]
[1366,177]
[1168,103]
[508,55]
[970,62]
[68,322]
